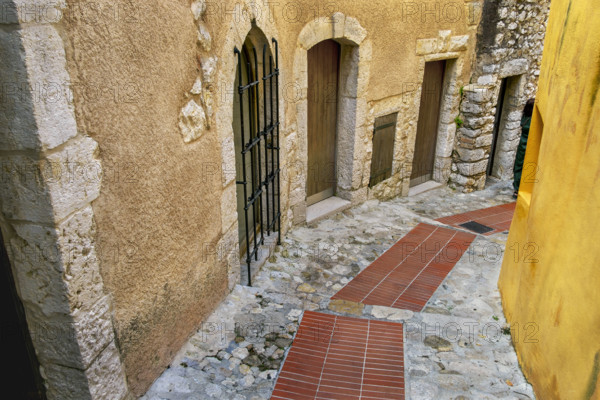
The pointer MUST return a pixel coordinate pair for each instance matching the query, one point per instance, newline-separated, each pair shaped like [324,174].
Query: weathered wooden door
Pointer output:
[323,67]
[429,115]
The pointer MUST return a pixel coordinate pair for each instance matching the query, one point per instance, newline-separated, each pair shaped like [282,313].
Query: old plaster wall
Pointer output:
[133,66]
[510,42]
[389,80]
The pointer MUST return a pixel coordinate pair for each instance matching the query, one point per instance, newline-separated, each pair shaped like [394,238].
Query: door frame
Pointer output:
[355,58]
[446,129]
[497,122]
[508,125]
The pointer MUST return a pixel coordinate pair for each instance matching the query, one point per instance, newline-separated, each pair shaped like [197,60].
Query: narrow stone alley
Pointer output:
[456,343]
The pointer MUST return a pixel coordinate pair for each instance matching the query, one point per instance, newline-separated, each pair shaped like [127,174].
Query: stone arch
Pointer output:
[256,62]
[352,107]
[241,29]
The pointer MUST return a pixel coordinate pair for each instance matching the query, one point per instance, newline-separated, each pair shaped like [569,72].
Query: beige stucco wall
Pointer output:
[166,206]
[157,213]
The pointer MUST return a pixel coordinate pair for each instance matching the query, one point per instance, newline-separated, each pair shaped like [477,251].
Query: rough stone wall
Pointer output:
[509,44]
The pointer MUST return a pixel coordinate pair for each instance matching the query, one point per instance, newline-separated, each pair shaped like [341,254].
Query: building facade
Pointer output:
[150,150]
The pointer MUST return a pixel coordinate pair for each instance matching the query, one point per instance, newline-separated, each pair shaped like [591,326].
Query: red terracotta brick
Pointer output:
[362,359]
[497,217]
[423,258]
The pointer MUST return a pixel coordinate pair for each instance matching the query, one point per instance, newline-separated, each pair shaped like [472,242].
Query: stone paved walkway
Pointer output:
[458,347]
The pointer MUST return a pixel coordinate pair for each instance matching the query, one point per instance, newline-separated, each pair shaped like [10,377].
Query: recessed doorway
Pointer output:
[427,126]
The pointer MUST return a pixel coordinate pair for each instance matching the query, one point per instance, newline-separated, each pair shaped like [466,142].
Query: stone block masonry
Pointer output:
[509,45]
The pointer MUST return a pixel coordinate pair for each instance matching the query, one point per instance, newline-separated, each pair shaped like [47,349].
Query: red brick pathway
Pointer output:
[498,218]
[407,275]
[336,357]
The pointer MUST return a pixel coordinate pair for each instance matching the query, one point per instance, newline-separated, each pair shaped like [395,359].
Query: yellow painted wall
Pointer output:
[553,282]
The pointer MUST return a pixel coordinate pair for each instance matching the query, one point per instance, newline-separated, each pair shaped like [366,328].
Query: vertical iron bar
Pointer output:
[265,134]
[272,133]
[245,180]
[277,108]
[259,137]
[249,201]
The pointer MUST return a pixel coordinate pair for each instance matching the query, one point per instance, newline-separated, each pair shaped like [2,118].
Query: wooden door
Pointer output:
[323,67]
[427,126]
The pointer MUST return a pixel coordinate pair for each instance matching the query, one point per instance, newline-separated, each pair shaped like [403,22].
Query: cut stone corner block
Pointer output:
[338,26]
[104,379]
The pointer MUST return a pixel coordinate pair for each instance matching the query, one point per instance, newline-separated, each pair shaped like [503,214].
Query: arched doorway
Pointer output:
[256,142]
[351,158]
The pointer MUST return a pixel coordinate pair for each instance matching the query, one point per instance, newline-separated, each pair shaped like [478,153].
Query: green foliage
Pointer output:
[459,122]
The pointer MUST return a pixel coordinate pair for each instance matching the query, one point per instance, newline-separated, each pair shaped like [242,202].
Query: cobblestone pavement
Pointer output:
[459,347]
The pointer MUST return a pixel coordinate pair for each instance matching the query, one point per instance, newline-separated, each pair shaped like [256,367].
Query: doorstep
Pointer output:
[424,187]
[264,252]
[326,208]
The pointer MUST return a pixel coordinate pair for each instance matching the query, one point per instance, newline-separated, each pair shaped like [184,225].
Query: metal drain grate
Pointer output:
[476,227]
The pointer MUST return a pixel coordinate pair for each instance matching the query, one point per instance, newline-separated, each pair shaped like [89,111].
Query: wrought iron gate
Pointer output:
[261,185]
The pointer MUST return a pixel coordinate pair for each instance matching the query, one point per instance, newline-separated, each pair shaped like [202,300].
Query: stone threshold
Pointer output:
[264,252]
[326,208]
[424,187]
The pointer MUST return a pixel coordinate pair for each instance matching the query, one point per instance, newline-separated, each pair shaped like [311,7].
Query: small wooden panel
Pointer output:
[323,67]
[429,112]
[384,134]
